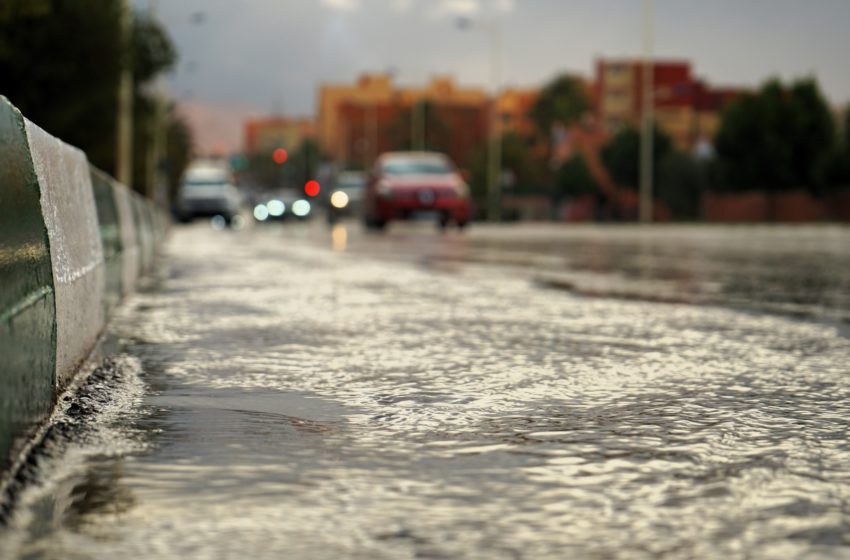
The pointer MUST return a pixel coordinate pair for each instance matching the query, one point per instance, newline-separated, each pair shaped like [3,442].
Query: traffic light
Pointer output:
[280,156]
[311,188]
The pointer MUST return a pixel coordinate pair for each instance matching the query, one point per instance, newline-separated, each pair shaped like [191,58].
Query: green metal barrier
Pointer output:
[27,304]
[73,242]
[110,237]
[144,233]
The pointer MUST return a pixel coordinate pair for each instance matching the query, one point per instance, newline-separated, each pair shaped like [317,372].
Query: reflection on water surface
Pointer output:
[358,408]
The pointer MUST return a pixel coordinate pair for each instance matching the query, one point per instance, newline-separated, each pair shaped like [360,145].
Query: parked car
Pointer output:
[346,197]
[207,189]
[411,185]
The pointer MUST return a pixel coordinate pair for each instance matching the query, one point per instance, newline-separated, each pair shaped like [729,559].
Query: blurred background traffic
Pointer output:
[502,385]
[579,111]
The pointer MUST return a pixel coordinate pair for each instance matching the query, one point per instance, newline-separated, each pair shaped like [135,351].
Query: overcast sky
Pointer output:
[252,57]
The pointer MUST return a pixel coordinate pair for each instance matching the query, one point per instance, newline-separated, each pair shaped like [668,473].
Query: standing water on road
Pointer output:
[303,402]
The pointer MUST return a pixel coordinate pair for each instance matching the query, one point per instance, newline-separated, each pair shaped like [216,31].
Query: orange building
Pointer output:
[357,122]
[514,106]
[264,135]
[369,90]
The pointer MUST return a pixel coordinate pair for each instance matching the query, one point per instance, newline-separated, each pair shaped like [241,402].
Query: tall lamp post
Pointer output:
[417,126]
[494,149]
[646,148]
[124,108]
[156,187]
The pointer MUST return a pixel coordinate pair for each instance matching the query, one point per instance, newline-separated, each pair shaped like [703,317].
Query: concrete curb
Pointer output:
[73,242]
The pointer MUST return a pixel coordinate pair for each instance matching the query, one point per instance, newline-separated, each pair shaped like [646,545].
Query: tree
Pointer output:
[845,130]
[562,101]
[302,164]
[574,179]
[681,180]
[152,53]
[178,151]
[621,156]
[838,164]
[60,62]
[776,139]
[517,161]
[812,135]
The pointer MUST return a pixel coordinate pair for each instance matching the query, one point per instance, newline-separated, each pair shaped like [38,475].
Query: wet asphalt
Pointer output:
[300,391]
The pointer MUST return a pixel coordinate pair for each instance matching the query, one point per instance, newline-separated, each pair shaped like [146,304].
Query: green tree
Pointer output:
[178,150]
[60,62]
[845,130]
[574,179]
[681,181]
[561,101]
[621,156]
[838,165]
[517,161]
[302,164]
[776,139]
[813,136]
[152,53]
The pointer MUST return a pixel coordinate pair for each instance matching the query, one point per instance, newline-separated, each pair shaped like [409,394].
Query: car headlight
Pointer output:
[261,213]
[301,208]
[276,208]
[339,200]
[462,189]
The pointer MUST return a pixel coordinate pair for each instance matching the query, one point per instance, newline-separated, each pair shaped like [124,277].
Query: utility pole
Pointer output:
[417,134]
[646,148]
[154,189]
[494,146]
[373,132]
[124,115]
[494,184]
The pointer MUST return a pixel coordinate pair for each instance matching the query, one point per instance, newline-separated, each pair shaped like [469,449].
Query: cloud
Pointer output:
[457,7]
[402,5]
[342,5]
[504,5]
[470,8]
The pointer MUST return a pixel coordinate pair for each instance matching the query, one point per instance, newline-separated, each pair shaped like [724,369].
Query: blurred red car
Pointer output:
[411,185]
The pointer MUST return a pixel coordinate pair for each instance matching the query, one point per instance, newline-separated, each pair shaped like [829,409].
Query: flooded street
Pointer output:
[292,391]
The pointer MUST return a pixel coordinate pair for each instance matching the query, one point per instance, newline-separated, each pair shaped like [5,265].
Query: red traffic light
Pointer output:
[311,188]
[280,156]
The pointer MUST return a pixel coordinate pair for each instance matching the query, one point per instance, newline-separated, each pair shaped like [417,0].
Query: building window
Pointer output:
[617,68]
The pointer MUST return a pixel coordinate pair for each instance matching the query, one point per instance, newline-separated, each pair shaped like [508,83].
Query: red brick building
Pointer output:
[685,107]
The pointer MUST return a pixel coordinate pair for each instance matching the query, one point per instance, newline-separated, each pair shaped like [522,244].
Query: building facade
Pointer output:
[685,107]
[266,134]
[359,121]
[514,106]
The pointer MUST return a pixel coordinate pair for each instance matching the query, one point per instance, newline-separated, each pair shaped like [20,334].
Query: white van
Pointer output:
[207,189]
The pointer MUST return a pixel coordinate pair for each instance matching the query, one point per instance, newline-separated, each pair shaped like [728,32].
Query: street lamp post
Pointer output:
[646,148]
[157,150]
[494,148]
[373,131]
[124,109]
[417,131]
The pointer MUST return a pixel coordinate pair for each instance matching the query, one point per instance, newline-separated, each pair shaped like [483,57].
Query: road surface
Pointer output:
[294,391]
